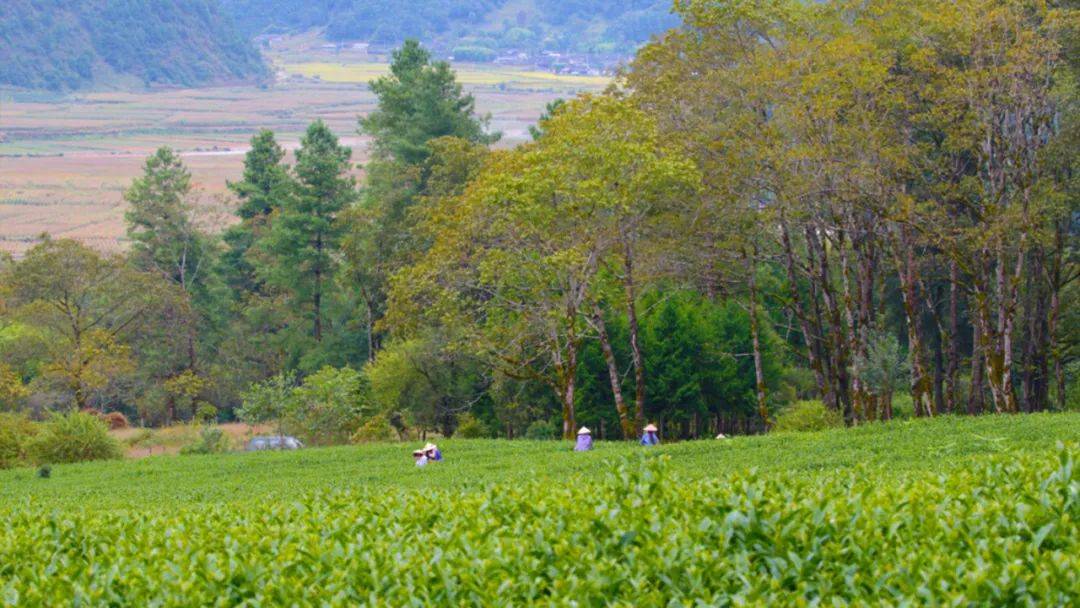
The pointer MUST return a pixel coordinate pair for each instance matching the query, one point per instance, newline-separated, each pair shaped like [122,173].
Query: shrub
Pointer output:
[206,413]
[902,406]
[16,432]
[115,421]
[807,416]
[75,437]
[377,428]
[541,430]
[470,427]
[211,440]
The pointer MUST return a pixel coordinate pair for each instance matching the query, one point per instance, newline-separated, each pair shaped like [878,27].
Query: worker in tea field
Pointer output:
[420,457]
[649,436]
[432,452]
[584,440]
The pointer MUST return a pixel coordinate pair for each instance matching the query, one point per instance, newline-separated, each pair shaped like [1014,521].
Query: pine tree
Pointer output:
[262,191]
[304,237]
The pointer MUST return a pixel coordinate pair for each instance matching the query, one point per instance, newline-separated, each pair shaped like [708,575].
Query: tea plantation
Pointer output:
[951,511]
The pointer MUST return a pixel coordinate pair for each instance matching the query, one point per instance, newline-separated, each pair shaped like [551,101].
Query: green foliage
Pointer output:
[205,413]
[469,427]
[374,429]
[211,440]
[605,519]
[810,415]
[304,235]
[268,401]
[12,389]
[329,406]
[16,434]
[161,223]
[68,45]
[541,430]
[73,437]
[420,100]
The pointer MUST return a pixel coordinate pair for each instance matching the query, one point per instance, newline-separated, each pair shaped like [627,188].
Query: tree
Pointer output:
[516,259]
[419,101]
[89,304]
[425,128]
[263,190]
[166,240]
[161,222]
[304,236]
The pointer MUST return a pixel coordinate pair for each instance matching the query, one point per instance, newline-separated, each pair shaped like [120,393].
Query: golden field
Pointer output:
[65,160]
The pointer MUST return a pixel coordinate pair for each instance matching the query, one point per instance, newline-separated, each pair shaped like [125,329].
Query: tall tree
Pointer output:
[419,101]
[304,237]
[424,123]
[89,305]
[263,190]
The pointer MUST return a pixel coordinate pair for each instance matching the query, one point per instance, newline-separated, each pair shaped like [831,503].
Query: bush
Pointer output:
[469,427]
[16,432]
[115,421]
[377,428]
[75,437]
[903,407]
[211,440]
[807,416]
[206,413]
[541,430]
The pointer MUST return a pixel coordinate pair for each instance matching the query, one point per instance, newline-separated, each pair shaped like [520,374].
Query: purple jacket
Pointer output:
[584,443]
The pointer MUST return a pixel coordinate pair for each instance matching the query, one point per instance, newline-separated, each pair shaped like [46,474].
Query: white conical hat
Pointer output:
[650,428]
[418,453]
[430,446]
[584,431]
[721,436]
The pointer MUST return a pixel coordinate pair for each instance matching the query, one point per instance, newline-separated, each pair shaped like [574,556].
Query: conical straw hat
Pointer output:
[584,431]
[650,428]
[430,446]
[418,453]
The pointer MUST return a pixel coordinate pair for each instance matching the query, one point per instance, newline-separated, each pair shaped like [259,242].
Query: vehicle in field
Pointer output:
[274,442]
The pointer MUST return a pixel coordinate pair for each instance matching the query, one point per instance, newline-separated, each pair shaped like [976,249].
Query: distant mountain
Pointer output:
[69,44]
[482,29]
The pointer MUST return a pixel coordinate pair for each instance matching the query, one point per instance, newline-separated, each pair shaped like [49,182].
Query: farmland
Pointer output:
[66,159]
[980,510]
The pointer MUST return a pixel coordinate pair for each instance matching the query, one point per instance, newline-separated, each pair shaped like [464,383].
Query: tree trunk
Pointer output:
[952,340]
[810,335]
[975,397]
[907,271]
[759,375]
[317,296]
[637,358]
[625,423]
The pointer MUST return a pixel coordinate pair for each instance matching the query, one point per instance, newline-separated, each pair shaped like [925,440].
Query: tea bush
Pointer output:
[1006,532]
[74,437]
[807,416]
[948,511]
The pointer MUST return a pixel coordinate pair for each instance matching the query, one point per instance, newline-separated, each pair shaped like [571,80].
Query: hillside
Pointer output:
[60,45]
[476,30]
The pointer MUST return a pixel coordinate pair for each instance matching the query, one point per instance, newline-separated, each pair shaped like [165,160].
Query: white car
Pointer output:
[274,442]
